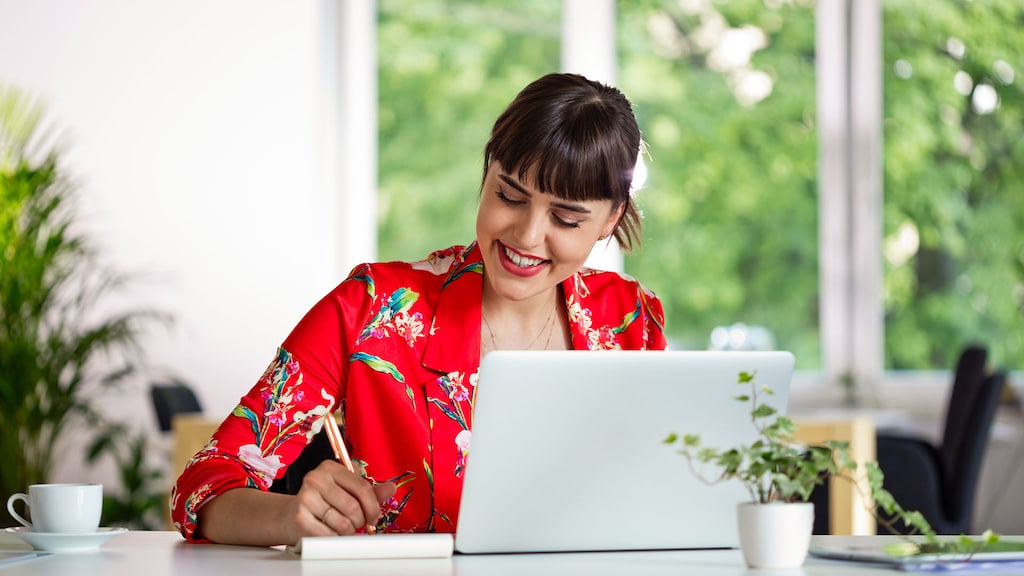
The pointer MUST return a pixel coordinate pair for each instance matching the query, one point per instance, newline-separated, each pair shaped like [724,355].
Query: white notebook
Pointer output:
[373,546]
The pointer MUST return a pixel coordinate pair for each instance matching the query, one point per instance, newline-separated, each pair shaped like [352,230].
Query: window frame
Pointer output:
[849,103]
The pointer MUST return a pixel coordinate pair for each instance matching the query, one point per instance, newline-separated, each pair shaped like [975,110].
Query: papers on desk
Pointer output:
[373,546]
[1005,557]
[972,567]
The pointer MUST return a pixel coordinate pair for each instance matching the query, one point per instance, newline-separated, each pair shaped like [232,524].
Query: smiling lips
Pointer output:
[520,264]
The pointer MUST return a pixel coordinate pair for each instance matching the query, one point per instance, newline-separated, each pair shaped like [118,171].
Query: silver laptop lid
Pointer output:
[567,452]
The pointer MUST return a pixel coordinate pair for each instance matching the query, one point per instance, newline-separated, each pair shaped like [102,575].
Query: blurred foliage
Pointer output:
[953,177]
[447,70]
[139,502]
[730,203]
[63,342]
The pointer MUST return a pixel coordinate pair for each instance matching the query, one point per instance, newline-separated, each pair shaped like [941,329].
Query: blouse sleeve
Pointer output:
[285,409]
[654,321]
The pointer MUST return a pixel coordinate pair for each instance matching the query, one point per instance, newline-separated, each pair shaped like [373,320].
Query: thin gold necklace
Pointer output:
[548,325]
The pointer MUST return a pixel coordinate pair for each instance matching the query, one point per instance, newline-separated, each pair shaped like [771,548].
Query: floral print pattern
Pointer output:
[405,392]
[457,395]
[279,420]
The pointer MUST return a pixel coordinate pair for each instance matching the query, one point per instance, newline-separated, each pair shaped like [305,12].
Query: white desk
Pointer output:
[166,554]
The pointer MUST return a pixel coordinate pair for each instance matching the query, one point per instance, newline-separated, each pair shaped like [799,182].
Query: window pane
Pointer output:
[954,175]
[724,92]
[446,70]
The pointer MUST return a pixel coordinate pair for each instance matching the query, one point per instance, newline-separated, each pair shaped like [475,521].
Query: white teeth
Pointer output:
[522,261]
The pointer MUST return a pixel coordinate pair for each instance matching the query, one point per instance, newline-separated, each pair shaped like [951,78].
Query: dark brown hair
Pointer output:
[583,139]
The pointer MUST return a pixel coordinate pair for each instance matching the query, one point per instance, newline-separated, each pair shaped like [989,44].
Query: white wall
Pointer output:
[196,131]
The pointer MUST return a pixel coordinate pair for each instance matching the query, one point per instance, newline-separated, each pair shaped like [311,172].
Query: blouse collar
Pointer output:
[457,348]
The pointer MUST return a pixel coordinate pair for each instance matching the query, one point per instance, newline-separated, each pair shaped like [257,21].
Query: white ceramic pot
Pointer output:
[775,535]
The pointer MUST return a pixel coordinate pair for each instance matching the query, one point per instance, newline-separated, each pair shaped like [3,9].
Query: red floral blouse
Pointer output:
[394,349]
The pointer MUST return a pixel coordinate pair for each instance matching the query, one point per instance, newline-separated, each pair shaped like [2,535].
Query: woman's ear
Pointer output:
[613,222]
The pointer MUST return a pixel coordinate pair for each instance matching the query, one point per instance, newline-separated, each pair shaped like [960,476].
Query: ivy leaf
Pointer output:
[776,467]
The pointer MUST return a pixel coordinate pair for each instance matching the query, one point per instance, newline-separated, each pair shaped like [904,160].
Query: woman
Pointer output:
[395,348]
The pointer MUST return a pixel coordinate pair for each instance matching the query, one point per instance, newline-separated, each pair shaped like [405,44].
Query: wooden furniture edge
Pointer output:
[849,513]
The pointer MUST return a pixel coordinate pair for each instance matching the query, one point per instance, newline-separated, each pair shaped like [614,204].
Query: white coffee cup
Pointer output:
[60,508]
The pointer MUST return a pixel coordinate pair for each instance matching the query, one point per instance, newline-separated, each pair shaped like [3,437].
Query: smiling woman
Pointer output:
[396,347]
[558,175]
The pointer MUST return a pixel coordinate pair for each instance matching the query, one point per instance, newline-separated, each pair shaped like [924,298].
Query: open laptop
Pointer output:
[567,449]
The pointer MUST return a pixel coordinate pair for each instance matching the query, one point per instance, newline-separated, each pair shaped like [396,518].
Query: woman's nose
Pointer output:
[530,229]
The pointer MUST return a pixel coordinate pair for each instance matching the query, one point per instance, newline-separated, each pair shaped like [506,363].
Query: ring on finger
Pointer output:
[324,517]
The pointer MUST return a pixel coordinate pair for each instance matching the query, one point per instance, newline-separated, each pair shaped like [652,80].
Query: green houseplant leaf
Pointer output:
[59,350]
[775,467]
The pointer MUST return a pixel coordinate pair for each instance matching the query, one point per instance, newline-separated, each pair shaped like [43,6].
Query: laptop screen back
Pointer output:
[567,449]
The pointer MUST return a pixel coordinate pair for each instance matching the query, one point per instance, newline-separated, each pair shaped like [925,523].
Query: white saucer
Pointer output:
[51,542]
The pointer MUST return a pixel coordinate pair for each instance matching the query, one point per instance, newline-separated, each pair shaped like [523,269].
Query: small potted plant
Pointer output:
[780,473]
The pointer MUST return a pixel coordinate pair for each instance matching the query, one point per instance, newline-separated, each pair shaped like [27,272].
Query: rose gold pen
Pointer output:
[341,453]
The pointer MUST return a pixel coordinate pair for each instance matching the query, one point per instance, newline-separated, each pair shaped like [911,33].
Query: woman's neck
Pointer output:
[533,324]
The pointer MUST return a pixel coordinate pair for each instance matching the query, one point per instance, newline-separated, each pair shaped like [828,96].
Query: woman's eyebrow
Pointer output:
[563,205]
[514,183]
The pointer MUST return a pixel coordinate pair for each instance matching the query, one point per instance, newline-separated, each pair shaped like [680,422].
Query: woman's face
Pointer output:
[531,241]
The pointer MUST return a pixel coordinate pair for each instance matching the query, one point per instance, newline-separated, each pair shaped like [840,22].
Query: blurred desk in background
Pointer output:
[191,433]
[849,513]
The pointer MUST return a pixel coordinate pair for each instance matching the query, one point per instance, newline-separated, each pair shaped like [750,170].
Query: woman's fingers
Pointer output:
[311,516]
[384,491]
[356,500]
[340,502]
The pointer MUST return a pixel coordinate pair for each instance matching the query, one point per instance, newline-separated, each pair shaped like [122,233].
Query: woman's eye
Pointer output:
[566,223]
[504,198]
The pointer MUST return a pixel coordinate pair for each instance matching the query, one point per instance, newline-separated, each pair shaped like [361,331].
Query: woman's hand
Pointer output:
[333,501]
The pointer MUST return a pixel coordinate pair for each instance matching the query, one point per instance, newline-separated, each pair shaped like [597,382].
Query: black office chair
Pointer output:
[938,481]
[318,450]
[170,398]
[941,481]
